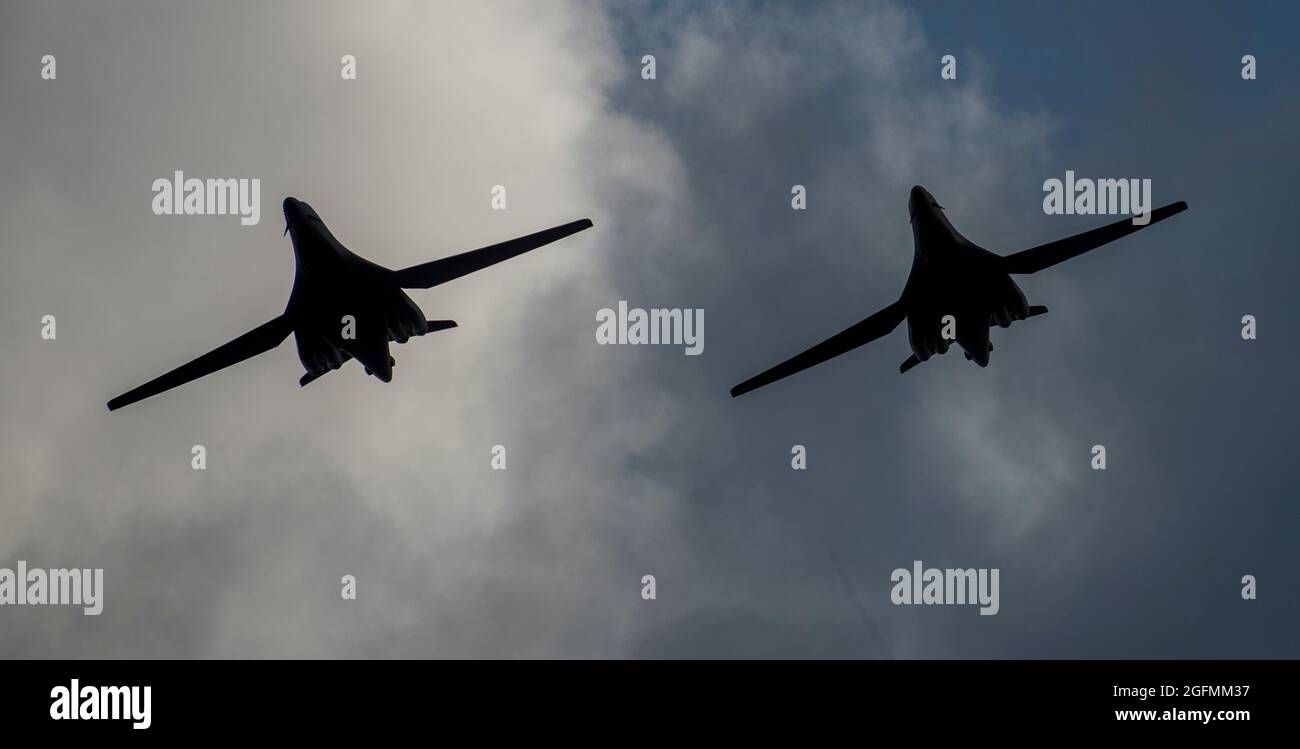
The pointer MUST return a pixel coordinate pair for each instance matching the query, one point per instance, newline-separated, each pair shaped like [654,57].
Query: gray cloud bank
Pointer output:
[622,461]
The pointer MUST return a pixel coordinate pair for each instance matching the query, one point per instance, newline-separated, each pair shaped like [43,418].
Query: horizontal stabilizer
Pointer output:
[311,377]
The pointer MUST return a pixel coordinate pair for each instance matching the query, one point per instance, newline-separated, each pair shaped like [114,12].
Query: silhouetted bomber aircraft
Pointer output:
[953,276]
[330,282]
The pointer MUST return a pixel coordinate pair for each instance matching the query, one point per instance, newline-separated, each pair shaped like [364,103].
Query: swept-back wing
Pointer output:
[427,275]
[879,324]
[259,340]
[1044,256]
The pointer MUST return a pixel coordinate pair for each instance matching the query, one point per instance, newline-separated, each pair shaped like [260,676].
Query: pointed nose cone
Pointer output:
[916,199]
[290,210]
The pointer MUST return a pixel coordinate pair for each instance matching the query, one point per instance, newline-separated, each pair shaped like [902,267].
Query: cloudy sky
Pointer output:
[625,461]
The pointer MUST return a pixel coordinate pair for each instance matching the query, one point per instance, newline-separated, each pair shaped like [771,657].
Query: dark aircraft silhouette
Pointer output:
[953,276]
[331,282]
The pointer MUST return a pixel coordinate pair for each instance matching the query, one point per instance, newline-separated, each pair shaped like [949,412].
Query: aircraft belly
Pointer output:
[370,347]
[317,354]
[975,295]
[359,325]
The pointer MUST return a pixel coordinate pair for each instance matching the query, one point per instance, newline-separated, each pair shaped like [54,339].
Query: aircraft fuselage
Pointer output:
[342,305]
[952,276]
